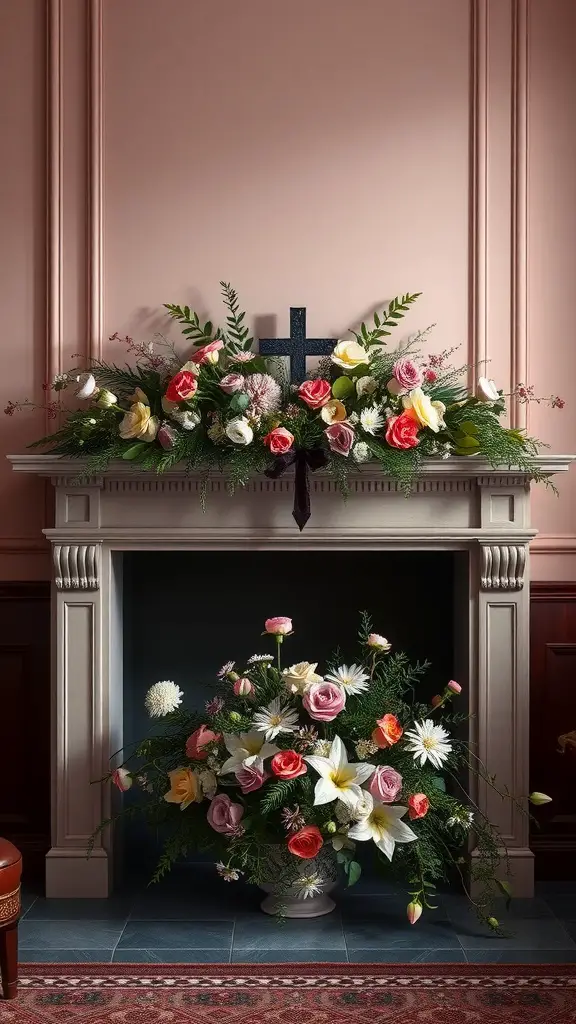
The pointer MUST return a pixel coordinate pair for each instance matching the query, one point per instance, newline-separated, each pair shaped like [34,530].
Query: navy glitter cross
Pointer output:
[297,346]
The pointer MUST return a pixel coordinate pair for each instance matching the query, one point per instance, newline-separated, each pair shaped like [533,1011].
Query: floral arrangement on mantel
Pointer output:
[228,407]
[290,771]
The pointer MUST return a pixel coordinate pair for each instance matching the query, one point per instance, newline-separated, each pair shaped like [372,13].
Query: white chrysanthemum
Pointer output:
[309,885]
[371,419]
[275,719]
[428,742]
[264,393]
[255,659]
[351,678]
[163,698]
[361,452]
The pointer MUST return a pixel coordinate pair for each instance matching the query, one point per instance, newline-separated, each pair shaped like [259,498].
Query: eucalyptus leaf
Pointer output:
[134,451]
[438,783]
[354,872]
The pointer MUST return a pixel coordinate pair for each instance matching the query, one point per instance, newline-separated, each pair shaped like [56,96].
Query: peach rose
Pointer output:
[184,789]
[306,843]
[387,732]
[402,431]
[201,738]
[279,440]
[315,393]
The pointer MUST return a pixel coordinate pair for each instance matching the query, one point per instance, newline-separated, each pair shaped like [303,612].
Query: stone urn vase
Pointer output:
[291,877]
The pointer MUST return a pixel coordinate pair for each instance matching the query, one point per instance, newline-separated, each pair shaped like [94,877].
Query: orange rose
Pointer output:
[418,805]
[306,843]
[387,732]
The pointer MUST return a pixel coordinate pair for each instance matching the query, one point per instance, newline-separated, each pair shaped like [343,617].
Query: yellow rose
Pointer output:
[300,676]
[184,789]
[349,355]
[139,423]
[428,413]
[333,412]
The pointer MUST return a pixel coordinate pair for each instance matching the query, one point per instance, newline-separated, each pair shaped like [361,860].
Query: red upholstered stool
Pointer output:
[10,872]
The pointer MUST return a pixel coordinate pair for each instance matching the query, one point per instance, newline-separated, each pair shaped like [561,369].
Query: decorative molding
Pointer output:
[76,566]
[54,203]
[263,485]
[478,345]
[543,590]
[503,566]
[519,175]
[554,544]
[95,254]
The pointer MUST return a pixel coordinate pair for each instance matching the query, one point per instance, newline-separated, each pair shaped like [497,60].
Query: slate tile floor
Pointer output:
[193,917]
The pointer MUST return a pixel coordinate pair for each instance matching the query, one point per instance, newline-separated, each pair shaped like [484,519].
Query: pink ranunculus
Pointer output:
[315,393]
[207,353]
[323,701]
[198,741]
[279,440]
[122,779]
[232,383]
[407,374]
[280,625]
[385,784]
[454,686]
[251,774]
[340,437]
[223,815]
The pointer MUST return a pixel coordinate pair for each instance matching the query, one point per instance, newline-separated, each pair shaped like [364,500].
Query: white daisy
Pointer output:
[338,779]
[351,678]
[382,824]
[163,698]
[254,659]
[309,885]
[371,419]
[275,719]
[245,745]
[428,742]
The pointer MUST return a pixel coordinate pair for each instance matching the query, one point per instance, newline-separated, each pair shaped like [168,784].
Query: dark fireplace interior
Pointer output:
[186,613]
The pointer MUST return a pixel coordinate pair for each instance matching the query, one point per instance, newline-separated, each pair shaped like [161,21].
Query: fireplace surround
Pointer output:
[459,505]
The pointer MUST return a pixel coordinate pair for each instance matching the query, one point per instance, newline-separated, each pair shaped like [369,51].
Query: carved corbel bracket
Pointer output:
[502,566]
[76,566]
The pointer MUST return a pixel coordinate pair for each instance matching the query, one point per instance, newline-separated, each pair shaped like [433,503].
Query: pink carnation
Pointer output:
[385,784]
[223,815]
[323,701]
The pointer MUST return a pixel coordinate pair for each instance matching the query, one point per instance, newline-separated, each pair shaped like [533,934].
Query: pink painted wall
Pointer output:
[312,153]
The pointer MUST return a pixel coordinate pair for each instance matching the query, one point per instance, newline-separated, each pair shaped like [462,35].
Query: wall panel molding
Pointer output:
[519,176]
[95,283]
[54,200]
[477,349]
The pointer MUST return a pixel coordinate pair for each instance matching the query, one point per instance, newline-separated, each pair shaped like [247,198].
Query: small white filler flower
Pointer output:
[163,698]
[428,742]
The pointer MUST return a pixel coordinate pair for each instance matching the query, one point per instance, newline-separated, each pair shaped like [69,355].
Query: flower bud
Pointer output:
[331,827]
[454,686]
[243,688]
[106,399]
[414,911]
[436,701]
[378,642]
[539,798]
[493,922]
[235,717]
[486,390]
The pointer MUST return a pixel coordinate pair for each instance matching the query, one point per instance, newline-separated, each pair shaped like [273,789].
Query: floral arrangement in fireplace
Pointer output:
[225,406]
[291,771]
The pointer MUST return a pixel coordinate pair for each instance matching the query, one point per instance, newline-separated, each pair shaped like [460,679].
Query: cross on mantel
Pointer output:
[297,346]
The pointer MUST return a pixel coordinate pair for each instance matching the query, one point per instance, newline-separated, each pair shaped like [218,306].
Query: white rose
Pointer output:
[366,386]
[239,430]
[349,355]
[486,390]
[300,676]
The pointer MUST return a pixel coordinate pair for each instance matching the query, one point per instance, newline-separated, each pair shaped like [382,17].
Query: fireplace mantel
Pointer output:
[457,504]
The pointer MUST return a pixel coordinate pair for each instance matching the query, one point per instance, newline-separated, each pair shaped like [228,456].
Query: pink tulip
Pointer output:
[454,686]
[414,911]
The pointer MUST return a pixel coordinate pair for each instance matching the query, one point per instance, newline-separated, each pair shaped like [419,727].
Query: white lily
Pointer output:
[243,746]
[338,779]
[382,824]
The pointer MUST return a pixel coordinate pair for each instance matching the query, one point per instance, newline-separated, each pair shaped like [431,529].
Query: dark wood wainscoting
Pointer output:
[552,715]
[25,720]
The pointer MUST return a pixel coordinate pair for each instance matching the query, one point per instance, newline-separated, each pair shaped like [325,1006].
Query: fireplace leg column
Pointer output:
[80,732]
[503,702]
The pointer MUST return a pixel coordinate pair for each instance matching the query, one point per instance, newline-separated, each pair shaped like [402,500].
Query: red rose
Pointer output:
[182,387]
[315,393]
[418,805]
[402,431]
[306,843]
[279,440]
[287,764]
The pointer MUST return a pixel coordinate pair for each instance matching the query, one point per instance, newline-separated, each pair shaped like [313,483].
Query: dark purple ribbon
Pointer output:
[302,459]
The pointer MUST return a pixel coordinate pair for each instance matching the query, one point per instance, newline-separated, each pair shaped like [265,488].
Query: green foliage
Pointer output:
[236,330]
[395,311]
[197,332]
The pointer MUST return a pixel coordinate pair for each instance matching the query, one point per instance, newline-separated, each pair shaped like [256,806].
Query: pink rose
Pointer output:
[207,353]
[454,686]
[406,376]
[315,393]
[202,737]
[232,383]
[402,431]
[279,440]
[340,437]
[122,779]
[251,774]
[223,815]
[323,701]
[385,784]
[279,625]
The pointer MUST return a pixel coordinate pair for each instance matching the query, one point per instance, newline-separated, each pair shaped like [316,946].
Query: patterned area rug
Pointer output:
[281,993]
